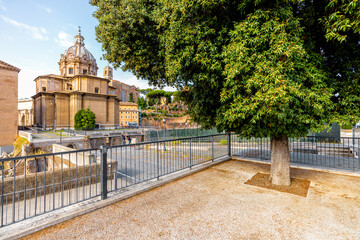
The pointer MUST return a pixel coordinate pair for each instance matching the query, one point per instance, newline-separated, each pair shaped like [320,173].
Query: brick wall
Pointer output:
[9,108]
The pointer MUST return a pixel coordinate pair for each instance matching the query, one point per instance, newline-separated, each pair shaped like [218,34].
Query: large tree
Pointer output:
[258,68]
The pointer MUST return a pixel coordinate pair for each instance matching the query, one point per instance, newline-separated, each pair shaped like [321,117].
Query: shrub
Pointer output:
[85,119]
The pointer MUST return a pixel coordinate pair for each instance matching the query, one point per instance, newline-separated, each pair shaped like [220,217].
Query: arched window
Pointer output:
[96,90]
[44,89]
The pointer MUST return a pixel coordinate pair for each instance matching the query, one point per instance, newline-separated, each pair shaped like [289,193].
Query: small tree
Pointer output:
[141,102]
[85,119]
[131,97]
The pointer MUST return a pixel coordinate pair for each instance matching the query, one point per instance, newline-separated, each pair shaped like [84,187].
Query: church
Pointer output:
[59,97]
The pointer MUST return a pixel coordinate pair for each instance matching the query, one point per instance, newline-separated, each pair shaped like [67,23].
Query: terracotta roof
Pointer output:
[7,66]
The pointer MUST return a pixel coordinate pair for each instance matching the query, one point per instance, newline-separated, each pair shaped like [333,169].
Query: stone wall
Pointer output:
[77,158]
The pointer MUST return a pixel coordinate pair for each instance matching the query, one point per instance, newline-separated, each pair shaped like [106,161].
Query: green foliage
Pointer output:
[151,102]
[131,97]
[156,94]
[164,112]
[259,68]
[344,17]
[144,114]
[273,87]
[141,102]
[346,126]
[85,119]
[177,95]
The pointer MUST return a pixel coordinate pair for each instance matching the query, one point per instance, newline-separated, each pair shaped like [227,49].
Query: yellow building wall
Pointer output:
[128,114]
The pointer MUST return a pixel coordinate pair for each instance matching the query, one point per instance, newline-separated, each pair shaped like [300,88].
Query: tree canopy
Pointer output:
[141,102]
[254,67]
[257,68]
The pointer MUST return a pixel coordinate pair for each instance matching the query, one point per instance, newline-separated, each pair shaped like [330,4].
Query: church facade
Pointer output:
[59,97]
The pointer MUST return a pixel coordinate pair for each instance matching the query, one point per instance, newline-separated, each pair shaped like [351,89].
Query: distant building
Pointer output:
[128,113]
[25,112]
[8,101]
[59,97]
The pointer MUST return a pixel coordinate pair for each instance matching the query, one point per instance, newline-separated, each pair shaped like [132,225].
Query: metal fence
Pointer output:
[330,152]
[175,133]
[34,185]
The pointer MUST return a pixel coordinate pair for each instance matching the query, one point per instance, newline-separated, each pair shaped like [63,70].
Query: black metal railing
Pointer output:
[37,184]
[330,152]
[33,185]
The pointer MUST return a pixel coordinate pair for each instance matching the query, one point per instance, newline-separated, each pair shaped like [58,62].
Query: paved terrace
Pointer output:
[216,204]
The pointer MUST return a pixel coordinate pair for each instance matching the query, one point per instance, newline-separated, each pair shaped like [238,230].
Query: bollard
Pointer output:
[229,144]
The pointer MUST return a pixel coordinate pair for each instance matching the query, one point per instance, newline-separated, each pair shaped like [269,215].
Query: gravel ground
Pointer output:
[216,204]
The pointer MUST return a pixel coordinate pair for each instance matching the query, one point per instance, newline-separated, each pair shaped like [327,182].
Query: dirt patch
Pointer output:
[298,186]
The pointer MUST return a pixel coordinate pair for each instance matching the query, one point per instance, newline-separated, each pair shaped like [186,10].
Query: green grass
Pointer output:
[223,142]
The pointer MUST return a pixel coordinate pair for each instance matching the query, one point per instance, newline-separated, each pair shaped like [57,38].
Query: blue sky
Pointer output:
[33,34]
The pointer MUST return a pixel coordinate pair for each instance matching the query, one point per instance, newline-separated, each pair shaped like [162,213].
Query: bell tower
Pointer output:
[108,72]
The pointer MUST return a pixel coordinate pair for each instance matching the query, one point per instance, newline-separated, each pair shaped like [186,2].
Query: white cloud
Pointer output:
[46,9]
[35,32]
[49,10]
[64,39]
[2,6]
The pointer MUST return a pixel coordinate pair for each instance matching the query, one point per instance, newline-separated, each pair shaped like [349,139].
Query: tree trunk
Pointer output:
[280,161]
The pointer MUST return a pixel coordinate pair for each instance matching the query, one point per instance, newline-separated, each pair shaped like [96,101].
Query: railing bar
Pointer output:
[13,196]
[24,188]
[84,177]
[53,180]
[2,193]
[45,184]
[77,180]
[62,181]
[36,165]
[90,174]
[96,174]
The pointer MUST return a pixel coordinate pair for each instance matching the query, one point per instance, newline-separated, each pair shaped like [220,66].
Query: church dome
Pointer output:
[77,60]
[79,51]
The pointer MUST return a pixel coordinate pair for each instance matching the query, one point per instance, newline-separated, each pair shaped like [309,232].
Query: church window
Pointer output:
[71,70]
[84,71]
[44,89]
[96,90]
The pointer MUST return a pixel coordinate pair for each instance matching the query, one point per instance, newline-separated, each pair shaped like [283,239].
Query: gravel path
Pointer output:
[215,204]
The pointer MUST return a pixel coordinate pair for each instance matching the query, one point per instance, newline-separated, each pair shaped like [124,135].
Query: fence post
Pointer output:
[229,144]
[103,172]
[212,148]
[353,136]
[190,155]
[157,161]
